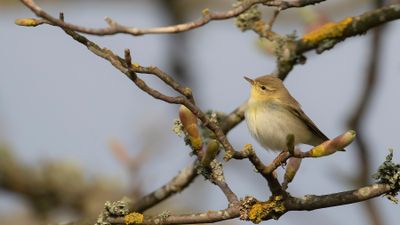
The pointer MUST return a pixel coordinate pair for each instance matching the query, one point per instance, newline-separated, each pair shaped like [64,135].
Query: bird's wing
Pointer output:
[310,124]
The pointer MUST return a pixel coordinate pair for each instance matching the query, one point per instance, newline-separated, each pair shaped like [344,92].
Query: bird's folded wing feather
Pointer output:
[310,124]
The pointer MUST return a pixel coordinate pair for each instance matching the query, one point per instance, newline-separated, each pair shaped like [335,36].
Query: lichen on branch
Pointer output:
[389,173]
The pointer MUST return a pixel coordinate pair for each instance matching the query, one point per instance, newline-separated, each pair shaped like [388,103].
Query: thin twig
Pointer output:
[204,217]
[229,194]
[233,118]
[152,70]
[121,65]
[284,4]
[273,183]
[273,18]
[115,28]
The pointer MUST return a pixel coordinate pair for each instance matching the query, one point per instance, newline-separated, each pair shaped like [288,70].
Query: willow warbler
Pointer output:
[272,114]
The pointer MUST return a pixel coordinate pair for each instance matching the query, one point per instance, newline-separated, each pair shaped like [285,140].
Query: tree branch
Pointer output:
[126,67]
[330,34]
[207,16]
[308,203]
[284,4]
[115,28]
[312,202]
[205,217]
[349,27]
[315,40]
[121,65]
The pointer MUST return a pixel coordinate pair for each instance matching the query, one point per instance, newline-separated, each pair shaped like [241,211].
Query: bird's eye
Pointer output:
[263,88]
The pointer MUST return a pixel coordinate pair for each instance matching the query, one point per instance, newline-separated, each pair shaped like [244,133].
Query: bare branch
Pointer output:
[122,64]
[276,206]
[233,118]
[152,70]
[312,202]
[207,16]
[115,28]
[272,20]
[205,217]
[289,203]
[284,4]
[229,194]
[265,171]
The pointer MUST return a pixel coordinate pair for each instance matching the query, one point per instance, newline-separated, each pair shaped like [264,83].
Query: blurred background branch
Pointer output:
[358,117]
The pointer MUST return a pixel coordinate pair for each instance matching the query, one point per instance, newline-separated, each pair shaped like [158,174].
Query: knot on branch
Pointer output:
[256,211]
[389,173]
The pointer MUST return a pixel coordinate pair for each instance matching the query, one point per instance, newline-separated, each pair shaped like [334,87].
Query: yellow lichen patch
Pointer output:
[28,22]
[273,208]
[256,211]
[329,30]
[134,218]
[136,65]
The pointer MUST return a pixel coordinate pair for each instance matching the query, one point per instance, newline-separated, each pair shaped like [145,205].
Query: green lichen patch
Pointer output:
[248,18]
[389,173]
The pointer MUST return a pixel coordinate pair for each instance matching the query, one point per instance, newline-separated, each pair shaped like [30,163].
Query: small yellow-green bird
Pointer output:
[272,114]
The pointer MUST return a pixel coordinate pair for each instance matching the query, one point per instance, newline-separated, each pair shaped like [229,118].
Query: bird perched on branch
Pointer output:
[272,114]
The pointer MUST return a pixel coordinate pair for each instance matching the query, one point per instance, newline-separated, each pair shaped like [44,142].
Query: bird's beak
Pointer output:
[249,80]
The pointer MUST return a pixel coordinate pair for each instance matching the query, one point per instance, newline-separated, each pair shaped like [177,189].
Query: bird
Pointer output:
[272,114]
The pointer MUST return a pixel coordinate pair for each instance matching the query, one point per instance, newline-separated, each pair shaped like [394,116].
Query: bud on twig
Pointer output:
[291,170]
[189,122]
[331,146]
[28,22]
[211,152]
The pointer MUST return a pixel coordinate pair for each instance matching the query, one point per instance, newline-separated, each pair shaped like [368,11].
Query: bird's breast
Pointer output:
[270,124]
